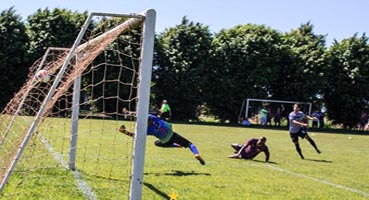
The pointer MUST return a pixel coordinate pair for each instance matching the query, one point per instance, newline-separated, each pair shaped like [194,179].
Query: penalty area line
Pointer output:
[314,179]
[77,176]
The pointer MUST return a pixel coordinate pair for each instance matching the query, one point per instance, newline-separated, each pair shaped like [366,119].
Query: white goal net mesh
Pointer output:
[106,61]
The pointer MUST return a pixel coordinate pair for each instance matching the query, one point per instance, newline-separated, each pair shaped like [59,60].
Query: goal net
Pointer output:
[58,135]
[276,110]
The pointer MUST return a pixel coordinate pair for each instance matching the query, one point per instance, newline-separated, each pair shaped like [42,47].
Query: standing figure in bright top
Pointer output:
[164,111]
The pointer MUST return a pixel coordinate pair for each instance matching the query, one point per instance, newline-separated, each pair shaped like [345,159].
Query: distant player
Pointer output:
[164,111]
[251,149]
[298,128]
[167,137]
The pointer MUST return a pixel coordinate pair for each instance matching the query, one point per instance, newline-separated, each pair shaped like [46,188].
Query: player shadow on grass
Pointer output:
[180,173]
[174,173]
[315,160]
[270,162]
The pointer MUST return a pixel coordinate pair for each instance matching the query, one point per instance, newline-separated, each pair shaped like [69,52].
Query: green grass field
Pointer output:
[340,172]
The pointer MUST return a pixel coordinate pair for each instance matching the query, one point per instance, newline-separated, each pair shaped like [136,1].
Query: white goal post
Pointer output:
[248,100]
[108,67]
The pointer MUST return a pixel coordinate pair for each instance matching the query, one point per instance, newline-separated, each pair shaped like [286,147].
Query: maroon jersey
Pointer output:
[251,149]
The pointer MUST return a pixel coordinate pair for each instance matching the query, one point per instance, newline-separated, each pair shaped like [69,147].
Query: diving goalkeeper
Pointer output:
[167,137]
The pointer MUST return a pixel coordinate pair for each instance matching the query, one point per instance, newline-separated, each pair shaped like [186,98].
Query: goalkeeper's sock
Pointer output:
[193,149]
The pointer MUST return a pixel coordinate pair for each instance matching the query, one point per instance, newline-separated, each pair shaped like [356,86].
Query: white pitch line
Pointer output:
[81,184]
[315,179]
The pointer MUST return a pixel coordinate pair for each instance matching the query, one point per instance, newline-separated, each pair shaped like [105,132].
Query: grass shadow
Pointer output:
[174,173]
[179,173]
[316,160]
[270,162]
[156,190]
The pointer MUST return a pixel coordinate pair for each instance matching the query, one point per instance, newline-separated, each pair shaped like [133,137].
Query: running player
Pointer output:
[298,128]
[251,149]
[167,137]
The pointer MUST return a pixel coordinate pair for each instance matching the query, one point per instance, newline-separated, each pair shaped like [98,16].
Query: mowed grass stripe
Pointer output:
[82,185]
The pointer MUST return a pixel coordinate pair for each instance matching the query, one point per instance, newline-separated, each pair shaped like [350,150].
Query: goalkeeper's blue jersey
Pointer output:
[160,129]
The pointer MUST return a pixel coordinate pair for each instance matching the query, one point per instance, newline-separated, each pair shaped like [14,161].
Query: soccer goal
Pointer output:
[59,133]
[250,108]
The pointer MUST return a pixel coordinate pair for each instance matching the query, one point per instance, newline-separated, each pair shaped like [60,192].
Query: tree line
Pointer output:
[194,67]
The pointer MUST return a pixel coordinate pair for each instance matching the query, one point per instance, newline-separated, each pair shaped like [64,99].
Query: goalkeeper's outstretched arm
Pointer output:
[123,130]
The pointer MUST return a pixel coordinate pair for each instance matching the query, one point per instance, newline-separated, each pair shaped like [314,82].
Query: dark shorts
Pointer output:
[244,155]
[176,138]
[301,133]
[165,115]
[315,123]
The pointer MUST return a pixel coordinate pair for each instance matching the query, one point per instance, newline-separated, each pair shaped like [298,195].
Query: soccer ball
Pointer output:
[43,76]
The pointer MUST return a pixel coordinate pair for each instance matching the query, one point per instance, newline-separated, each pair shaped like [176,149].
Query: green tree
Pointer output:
[245,66]
[13,54]
[182,57]
[300,76]
[346,93]
[56,28]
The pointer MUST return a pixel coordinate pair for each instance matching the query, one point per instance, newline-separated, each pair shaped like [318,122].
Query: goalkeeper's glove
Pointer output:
[123,130]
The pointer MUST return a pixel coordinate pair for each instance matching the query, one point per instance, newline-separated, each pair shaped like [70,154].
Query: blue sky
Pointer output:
[337,19]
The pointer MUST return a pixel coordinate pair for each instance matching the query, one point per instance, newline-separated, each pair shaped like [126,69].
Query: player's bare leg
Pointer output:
[236,147]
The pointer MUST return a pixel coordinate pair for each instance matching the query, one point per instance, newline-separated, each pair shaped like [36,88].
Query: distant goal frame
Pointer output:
[247,102]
